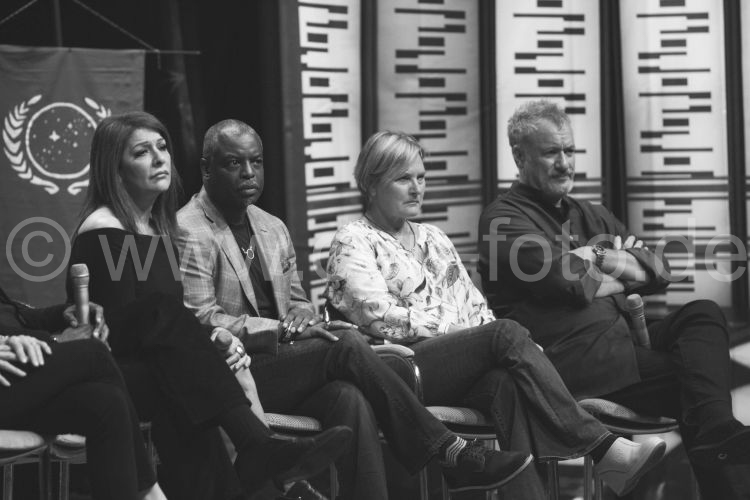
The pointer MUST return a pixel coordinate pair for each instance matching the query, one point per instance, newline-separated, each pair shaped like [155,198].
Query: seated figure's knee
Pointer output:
[351,339]
[93,347]
[346,392]
[707,308]
[707,315]
[512,332]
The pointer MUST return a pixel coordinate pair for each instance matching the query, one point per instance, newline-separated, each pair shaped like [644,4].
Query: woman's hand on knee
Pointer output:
[29,349]
[7,355]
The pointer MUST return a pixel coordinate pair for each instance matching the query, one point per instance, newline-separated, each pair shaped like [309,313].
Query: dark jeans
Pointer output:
[287,381]
[361,469]
[80,390]
[497,368]
[686,376]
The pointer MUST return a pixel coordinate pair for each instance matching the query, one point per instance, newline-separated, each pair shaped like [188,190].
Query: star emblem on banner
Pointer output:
[49,146]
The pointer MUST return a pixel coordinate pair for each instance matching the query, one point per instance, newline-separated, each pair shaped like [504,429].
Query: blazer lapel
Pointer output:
[232,251]
[271,255]
[230,248]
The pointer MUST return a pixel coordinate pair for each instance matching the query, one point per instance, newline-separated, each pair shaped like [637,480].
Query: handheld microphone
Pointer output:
[79,273]
[638,321]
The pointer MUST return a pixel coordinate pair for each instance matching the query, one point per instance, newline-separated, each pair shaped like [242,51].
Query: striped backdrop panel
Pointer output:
[550,49]
[331,103]
[428,86]
[677,191]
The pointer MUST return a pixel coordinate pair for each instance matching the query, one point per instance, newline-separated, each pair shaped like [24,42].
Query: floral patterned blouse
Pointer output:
[390,293]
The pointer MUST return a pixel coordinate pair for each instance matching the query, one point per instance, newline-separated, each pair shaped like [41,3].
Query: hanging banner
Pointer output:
[51,100]
[550,50]
[332,117]
[675,139]
[428,86]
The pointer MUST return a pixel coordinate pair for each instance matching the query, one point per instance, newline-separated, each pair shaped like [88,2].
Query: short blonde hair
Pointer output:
[383,158]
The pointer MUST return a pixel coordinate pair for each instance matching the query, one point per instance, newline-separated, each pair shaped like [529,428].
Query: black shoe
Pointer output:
[479,468]
[726,446]
[302,490]
[288,460]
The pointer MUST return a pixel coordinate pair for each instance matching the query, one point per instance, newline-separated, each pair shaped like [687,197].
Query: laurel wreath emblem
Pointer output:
[12,134]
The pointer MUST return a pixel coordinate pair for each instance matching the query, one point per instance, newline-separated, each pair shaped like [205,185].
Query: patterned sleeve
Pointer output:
[474,302]
[357,287]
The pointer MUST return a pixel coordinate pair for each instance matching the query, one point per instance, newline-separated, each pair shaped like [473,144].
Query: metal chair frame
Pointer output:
[480,428]
[291,426]
[621,421]
[298,425]
[64,449]
[13,455]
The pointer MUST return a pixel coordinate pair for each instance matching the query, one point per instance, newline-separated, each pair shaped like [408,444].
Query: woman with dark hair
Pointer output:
[119,190]
[404,281]
[72,387]
[177,377]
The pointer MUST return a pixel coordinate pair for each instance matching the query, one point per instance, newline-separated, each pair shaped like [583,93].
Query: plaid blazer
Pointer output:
[216,280]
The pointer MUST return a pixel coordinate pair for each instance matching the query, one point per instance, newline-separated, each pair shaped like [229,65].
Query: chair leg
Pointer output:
[696,492]
[553,480]
[334,481]
[444,489]
[64,480]
[588,477]
[598,488]
[45,476]
[8,482]
[424,485]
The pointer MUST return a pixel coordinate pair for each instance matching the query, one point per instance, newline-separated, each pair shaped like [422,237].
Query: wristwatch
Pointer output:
[600,253]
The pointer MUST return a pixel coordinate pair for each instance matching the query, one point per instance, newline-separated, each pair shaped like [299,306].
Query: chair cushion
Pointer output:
[69,448]
[70,441]
[622,420]
[395,349]
[20,440]
[459,416]
[293,423]
[602,407]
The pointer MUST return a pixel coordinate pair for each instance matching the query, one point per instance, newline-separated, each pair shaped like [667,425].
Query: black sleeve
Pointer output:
[112,277]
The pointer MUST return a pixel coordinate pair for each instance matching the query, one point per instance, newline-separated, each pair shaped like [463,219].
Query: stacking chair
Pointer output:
[67,450]
[298,425]
[468,423]
[22,447]
[70,449]
[620,421]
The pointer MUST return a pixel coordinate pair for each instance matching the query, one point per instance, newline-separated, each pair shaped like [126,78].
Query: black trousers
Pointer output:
[179,382]
[686,375]
[80,390]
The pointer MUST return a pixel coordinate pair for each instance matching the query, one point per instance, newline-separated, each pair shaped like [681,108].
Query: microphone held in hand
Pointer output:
[638,321]
[79,274]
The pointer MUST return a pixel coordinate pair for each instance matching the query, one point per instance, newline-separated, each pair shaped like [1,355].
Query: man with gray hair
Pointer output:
[563,267]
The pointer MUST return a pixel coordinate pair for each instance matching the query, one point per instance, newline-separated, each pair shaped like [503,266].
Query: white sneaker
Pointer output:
[625,462]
